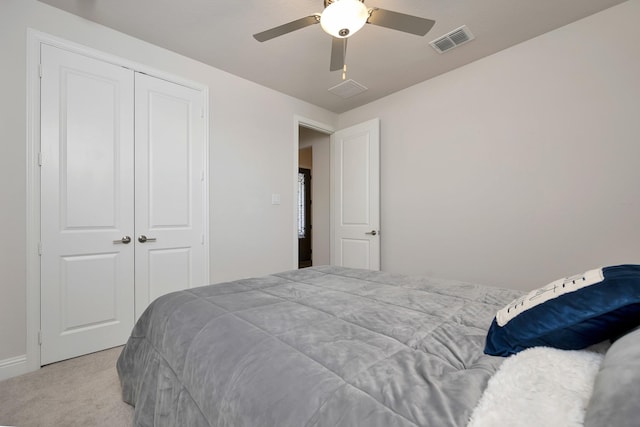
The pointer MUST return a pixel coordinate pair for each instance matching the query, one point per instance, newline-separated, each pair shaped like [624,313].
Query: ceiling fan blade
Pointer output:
[338,53]
[287,28]
[400,21]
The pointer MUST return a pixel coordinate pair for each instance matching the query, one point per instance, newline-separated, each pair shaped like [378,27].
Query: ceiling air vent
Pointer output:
[452,39]
[347,89]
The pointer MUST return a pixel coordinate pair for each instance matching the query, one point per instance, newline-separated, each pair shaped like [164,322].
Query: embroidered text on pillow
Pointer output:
[570,314]
[552,290]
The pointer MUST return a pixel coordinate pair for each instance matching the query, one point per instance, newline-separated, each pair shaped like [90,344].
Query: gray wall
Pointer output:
[519,168]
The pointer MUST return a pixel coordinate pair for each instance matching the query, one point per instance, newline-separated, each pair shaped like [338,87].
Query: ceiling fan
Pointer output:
[343,18]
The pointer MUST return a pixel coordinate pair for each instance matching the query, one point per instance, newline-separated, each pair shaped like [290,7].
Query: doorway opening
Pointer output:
[304,215]
[313,204]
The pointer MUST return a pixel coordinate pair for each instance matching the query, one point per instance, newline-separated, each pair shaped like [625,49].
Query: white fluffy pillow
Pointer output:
[540,386]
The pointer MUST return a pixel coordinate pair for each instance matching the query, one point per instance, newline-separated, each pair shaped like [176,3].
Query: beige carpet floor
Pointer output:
[84,391]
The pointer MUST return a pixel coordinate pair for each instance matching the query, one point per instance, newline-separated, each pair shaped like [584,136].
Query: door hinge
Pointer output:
[39,337]
[40,158]
[202,113]
[40,70]
[39,248]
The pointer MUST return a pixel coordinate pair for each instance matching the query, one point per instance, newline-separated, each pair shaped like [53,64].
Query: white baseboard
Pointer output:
[13,367]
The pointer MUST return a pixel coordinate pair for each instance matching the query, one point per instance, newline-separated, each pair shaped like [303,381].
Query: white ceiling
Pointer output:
[219,33]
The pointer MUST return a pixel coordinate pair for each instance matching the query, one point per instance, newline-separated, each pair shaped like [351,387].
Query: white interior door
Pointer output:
[87,263]
[170,189]
[355,164]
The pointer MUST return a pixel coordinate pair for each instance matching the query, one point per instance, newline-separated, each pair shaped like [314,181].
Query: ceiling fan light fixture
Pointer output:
[343,18]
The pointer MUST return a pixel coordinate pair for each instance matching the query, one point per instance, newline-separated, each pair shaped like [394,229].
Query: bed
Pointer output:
[322,346]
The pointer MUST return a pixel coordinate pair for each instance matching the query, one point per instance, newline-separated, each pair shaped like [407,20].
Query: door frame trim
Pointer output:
[35,39]
[299,121]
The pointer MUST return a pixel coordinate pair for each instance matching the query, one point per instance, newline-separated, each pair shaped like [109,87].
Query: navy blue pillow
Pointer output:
[571,313]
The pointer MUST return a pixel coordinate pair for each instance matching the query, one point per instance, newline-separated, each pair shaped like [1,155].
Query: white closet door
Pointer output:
[170,173]
[87,268]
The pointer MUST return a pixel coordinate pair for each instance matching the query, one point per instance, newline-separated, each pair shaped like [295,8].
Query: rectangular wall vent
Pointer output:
[452,39]
[347,89]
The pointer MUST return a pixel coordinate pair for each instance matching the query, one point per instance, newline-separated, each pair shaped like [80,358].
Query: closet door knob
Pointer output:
[125,240]
[142,239]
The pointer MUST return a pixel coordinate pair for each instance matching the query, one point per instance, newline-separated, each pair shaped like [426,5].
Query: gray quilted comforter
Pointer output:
[324,346]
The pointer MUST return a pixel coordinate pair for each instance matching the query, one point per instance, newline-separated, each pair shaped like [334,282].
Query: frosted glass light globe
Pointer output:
[343,18]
